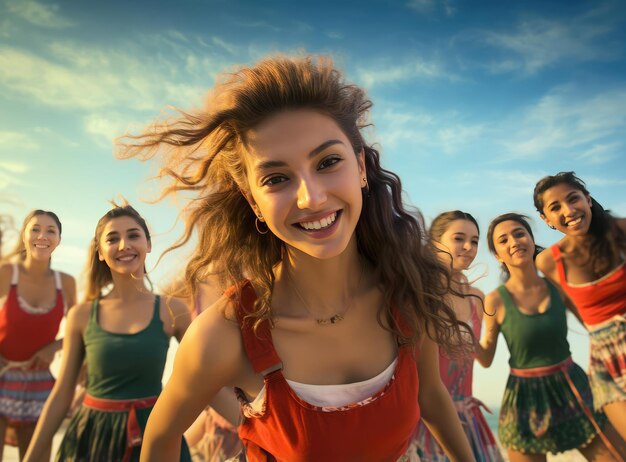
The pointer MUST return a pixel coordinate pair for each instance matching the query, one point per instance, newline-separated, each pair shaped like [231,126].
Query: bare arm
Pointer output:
[546,264]
[210,357]
[486,348]
[436,406]
[60,398]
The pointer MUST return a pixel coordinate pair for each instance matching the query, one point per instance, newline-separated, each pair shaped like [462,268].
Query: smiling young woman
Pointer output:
[121,332]
[589,264]
[336,306]
[33,301]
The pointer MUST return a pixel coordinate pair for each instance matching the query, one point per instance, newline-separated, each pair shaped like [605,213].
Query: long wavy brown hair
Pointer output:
[203,153]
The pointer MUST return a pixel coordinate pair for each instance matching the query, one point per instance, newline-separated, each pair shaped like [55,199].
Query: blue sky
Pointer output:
[473,102]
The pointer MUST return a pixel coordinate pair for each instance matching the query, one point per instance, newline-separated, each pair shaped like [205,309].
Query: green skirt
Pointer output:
[542,414]
[100,436]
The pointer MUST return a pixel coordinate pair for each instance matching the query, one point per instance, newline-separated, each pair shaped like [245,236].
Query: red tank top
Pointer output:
[290,429]
[23,333]
[596,301]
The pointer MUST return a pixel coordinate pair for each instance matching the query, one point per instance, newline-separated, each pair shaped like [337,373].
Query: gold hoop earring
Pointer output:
[258,226]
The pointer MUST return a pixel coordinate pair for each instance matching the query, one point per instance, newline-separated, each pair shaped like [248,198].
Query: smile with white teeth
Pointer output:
[126,258]
[41,246]
[575,221]
[319,224]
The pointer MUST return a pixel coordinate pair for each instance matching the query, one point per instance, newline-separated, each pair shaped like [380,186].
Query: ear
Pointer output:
[251,202]
[100,257]
[589,201]
[360,158]
[149,246]
[545,219]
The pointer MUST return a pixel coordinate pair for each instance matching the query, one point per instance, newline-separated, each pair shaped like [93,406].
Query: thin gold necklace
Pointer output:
[334,319]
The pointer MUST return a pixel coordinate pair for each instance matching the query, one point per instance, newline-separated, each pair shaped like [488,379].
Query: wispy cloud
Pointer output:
[538,43]
[11,173]
[38,13]
[16,141]
[414,68]
[433,6]
[563,123]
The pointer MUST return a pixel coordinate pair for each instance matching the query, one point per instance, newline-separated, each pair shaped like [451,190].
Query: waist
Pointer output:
[118,405]
[544,370]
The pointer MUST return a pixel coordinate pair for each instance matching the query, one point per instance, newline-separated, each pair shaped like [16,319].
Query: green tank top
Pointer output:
[535,340]
[125,366]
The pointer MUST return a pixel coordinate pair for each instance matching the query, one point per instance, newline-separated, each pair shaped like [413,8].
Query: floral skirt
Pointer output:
[607,364]
[478,433]
[542,414]
[100,436]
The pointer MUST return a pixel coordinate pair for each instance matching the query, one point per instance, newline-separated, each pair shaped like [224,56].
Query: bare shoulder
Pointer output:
[493,304]
[545,262]
[6,273]
[67,280]
[78,316]
[213,342]
[479,297]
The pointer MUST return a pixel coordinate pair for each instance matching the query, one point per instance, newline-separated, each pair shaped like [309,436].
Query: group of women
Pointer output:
[347,332]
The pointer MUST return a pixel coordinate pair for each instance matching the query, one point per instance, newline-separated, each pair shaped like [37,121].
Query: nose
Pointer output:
[123,244]
[311,194]
[567,209]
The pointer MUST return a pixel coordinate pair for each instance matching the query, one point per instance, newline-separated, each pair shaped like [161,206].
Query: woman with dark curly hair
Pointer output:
[336,305]
[589,264]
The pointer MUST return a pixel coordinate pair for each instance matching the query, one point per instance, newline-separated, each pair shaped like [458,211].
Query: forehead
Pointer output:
[462,226]
[42,220]
[120,224]
[559,192]
[290,132]
[507,227]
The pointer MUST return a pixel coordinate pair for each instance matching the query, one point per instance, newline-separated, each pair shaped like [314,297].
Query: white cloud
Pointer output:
[415,68]
[14,167]
[430,6]
[564,123]
[538,43]
[16,141]
[105,127]
[38,13]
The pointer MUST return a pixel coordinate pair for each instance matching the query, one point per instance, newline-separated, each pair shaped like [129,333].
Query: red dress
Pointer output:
[24,330]
[290,429]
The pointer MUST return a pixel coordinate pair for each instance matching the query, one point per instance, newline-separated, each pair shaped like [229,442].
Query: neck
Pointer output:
[328,286]
[36,267]
[523,277]
[128,287]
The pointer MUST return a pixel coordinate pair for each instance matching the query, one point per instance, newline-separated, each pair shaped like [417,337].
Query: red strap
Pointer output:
[258,344]
[558,261]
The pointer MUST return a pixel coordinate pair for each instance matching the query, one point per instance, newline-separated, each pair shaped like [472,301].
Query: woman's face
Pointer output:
[123,246]
[41,236]
[513,244]
[460,240]
[567,209]
[305,180]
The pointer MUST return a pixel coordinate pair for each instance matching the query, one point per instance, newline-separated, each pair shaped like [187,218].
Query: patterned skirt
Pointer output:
[607,368]
[478,433]
[100,436]
[542,414]
[23,392]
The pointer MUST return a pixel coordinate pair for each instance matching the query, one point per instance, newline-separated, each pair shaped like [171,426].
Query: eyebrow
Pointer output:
[279,163]
[512,231]
[111,233]
[573,193]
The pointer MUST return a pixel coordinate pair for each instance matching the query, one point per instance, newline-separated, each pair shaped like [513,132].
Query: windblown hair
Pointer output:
[607,240]
[204,154]
[19,250]
[98,274]
[522,220]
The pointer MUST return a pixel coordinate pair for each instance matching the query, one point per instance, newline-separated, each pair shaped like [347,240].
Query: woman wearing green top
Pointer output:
[547,404]
[122,330]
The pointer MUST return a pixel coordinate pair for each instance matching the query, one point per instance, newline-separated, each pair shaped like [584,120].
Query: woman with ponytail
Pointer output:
[122,331]
[547,405]
[329,330]
[589,264]
[33,300]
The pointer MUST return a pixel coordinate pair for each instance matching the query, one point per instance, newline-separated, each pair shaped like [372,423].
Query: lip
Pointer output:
[126,258]
[41,246]
[518,251]
[323,232]
[580,220]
